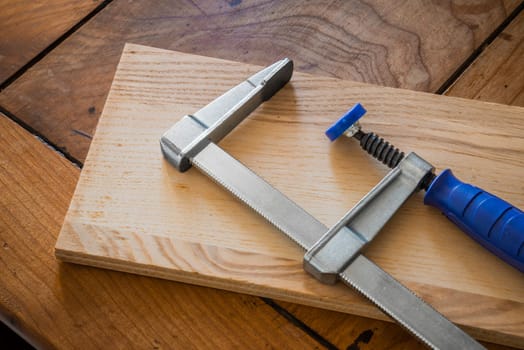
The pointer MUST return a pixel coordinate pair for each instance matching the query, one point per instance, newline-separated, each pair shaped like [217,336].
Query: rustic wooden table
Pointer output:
[57,60]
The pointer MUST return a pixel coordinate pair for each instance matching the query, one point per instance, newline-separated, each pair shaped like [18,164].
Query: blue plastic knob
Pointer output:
[340,126]
[492,222]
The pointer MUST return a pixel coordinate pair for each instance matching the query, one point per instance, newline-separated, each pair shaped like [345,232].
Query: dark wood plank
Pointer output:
[353,332]
[498,74]
[58,305]
[409,45]
[28,27]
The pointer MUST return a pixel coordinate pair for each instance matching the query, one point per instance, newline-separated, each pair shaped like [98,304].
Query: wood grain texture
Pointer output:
[29,26]
[364,334]
[66,306]
[80,307]
[341,333]
[90,308]
[122,215]
[497,75]
[411,44]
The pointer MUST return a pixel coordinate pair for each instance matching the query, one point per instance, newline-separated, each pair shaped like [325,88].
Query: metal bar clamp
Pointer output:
[331,255]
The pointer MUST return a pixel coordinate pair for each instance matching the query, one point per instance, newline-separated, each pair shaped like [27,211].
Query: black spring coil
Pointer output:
[381,149]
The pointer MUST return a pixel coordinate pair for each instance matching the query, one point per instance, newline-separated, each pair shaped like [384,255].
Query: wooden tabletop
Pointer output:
[57,60]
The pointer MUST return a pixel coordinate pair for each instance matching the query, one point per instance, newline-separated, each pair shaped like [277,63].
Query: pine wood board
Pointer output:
[133,212]
[412,44]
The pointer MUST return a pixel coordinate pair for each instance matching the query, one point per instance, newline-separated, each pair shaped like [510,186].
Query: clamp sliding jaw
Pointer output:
[332,254]
[344,241]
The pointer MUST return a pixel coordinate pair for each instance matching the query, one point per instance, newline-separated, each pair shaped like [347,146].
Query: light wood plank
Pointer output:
[497,75]
[29,26]
[134,212]
[66,306]
[414,45]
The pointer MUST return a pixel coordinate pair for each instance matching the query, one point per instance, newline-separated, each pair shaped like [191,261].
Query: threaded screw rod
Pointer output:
[379,148]
[385,152]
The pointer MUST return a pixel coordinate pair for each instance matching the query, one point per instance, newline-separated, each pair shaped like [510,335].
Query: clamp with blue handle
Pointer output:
[491,221]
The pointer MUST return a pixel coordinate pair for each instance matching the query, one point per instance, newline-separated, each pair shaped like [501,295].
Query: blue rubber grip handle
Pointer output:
[492,222]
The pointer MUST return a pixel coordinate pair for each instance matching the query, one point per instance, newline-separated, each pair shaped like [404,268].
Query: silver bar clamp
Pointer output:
[331,253]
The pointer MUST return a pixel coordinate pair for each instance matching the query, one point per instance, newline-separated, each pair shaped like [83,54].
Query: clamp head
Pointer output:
[347,124]
[194,132]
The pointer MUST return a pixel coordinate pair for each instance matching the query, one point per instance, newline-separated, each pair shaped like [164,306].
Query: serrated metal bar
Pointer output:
[382,289]
[259,195]
[405,307]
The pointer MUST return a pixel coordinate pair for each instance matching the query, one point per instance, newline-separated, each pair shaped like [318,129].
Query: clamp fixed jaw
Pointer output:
[192,133]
